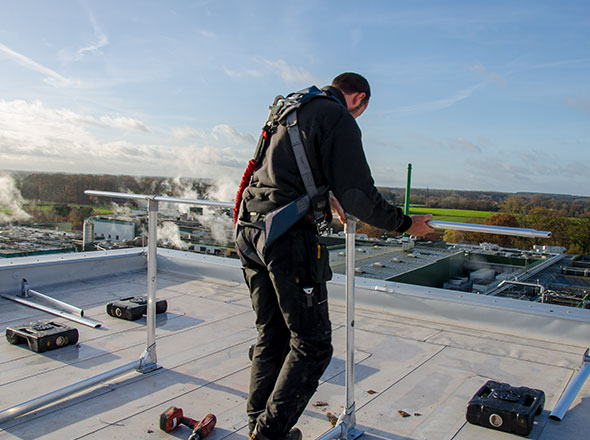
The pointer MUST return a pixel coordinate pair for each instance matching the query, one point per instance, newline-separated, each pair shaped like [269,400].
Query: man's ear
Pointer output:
[358,98]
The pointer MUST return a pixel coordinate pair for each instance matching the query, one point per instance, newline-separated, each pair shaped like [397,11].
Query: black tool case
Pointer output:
[42,336]
[133,308]
[500,406]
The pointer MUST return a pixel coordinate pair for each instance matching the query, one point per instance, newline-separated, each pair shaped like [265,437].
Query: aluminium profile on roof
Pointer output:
[489,229]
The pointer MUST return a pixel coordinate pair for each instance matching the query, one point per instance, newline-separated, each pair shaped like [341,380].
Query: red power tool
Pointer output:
[203,428]
[173,416]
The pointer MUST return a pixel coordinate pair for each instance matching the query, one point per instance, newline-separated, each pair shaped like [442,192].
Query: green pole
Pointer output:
[408,184]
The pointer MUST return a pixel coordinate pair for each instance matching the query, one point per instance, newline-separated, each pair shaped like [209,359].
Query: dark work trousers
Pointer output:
[294,344]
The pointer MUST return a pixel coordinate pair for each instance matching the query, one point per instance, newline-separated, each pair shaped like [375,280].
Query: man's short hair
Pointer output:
[350,82]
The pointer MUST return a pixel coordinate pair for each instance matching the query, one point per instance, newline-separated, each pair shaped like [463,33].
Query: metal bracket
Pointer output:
[148,361]
[24,289]
[348,421]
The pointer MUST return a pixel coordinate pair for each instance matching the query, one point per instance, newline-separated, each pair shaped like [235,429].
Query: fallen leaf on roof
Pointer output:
[320,403]
[332,418]
[402,413]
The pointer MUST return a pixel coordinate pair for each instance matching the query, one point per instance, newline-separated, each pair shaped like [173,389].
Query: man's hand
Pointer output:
[338,209]
[420,226]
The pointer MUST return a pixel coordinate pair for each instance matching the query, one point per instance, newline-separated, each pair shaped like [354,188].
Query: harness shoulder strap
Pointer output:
[300,155]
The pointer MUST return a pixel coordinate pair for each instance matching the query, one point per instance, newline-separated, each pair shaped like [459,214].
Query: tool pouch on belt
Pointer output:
[320,271]
[275,224]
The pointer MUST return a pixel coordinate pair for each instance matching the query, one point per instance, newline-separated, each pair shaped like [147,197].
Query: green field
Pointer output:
[102,210]
[48,206]
[453,215]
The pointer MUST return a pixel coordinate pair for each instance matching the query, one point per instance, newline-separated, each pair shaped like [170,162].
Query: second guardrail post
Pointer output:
[149,358]
[348,418]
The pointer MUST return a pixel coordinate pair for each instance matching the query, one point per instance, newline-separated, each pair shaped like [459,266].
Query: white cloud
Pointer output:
[101,39]
[21,115]
[289,73]
[123,122]
[101,42]
[53,78]
[35,137]
[228,133]
[180,133]
[440,103]
[286,72]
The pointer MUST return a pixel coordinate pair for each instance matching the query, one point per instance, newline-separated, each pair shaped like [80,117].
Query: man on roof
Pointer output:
[287,278]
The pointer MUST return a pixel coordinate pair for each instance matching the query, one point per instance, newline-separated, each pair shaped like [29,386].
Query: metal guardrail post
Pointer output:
[346,426]
[149,358]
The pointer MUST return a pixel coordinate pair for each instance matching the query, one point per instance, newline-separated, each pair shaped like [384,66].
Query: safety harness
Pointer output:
[315,201]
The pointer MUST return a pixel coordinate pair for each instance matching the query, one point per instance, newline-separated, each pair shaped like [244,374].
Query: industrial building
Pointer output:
[542,274]
[20,241]
[113,229]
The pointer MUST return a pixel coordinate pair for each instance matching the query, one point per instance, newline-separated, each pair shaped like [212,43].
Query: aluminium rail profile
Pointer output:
[79,319]
[148,360]
[67,311]
[27,292]
[572,390]
[489,229]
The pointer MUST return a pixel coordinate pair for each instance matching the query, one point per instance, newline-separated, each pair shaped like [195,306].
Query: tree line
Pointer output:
[69,188]
[566,217]
[489,200]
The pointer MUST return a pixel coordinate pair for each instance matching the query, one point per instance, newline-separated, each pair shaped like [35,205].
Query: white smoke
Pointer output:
[11,201]
[217,220]
[169,235]
[120,210]
[182,188]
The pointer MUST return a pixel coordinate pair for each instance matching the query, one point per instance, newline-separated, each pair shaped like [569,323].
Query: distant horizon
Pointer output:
[427,188]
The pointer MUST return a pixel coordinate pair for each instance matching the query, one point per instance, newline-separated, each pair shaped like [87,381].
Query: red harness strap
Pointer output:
[243,184]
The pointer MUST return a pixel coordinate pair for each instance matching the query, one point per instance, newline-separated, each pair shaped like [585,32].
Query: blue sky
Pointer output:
[476,95]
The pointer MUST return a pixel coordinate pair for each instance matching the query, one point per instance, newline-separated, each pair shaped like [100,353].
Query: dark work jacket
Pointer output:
[332,141]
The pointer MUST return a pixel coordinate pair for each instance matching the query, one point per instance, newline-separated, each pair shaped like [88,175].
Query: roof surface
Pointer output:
[416,351]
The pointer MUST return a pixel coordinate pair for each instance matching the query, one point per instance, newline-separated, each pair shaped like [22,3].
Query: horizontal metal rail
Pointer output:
[46,399]
[489,229]
[56,302]
[199,202]
[572,390]
[80,320]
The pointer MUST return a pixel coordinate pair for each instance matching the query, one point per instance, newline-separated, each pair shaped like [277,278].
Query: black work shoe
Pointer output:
[294,434]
